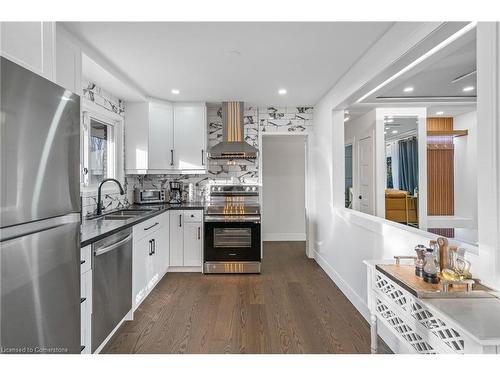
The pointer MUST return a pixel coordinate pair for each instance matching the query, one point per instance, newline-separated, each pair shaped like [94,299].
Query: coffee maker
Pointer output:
[175,192]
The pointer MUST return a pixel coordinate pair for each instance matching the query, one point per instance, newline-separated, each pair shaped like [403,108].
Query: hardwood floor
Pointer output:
[292,307]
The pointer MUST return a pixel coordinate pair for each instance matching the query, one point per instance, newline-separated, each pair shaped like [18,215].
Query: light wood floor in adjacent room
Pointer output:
[292,307]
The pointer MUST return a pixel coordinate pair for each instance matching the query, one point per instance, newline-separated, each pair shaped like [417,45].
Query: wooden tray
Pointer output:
[404,276]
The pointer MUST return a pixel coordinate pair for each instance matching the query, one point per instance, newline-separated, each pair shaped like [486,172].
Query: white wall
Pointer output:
[344,238]
[465,172]
[283,180]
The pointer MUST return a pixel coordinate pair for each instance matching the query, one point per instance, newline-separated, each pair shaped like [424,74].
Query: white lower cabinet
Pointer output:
[149,256]
[85,300]
[176,238]
[186,238]
[192,244]
[163,246]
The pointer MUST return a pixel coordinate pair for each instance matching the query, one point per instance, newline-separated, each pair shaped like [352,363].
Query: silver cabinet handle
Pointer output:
[199,233]
[180,220]
[154,246]
[172,157]
[202,157]
[152,226]
[150,247]
[112,247]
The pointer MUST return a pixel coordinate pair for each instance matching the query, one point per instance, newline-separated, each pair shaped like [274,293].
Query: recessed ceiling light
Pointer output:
[389,120]
[385,132]
[282,91]
[394,132]
[414,63]
[175,92]
[439,113]
[468,88]
[408,89]
[347,118]
[387,128]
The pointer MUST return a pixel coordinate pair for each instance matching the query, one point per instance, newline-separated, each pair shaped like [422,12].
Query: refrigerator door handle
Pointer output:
[20,230]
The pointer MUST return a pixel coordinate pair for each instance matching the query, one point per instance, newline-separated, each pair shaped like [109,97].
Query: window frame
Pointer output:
[115,157]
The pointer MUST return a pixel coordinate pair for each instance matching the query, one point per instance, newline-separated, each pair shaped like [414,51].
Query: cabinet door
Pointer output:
[190,133]
[136,138]
[192,244]
[161,136]
[30,44]
[85,310]
[142,270]
[68,62]
[161,257]
[176,238]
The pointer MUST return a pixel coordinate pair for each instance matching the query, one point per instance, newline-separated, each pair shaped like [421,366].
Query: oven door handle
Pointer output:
[228,219]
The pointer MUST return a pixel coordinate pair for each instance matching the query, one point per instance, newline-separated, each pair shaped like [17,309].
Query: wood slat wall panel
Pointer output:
[439,123]
[440,182]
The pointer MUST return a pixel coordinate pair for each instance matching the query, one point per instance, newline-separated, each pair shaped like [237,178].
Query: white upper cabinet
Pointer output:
[190,124]
[162,137]
[68,61]
[136,138]
[31,45]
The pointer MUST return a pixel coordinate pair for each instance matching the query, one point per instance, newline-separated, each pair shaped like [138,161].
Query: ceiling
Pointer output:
[231,61]
[100,76]
[399,127]
[437,78]
[432,83]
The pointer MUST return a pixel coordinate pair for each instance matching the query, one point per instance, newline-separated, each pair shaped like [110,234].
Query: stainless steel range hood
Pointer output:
[233,145]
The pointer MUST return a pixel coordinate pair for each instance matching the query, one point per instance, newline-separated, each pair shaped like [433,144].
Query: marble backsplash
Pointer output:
[256,120]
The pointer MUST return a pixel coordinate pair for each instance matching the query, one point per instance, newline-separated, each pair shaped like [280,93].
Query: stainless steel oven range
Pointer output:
[232,230]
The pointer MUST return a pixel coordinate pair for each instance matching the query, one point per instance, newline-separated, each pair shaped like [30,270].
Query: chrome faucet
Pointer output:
[99,203]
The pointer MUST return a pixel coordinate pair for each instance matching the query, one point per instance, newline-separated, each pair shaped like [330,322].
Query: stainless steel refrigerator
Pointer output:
[39,214]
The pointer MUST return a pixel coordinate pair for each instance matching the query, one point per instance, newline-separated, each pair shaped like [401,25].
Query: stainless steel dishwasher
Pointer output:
[111,284]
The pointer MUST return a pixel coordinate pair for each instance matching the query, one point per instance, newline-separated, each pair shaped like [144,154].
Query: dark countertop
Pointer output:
[93,230]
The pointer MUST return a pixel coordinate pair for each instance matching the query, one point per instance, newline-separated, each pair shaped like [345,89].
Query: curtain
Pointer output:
[408,164]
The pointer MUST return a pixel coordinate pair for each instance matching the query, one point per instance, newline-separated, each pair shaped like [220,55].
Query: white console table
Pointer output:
[431,326]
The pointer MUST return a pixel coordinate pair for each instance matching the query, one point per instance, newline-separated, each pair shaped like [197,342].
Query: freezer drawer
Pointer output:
[40,291]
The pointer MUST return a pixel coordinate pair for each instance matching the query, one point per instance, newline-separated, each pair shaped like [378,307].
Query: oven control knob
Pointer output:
[247,188]
[254,188]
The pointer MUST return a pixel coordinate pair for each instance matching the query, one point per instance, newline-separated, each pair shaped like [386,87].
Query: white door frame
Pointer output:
[381,164]
[306,173]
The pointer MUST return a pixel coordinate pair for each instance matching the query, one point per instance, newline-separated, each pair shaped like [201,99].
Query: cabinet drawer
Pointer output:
[146,228]
[193,216]
[85,258]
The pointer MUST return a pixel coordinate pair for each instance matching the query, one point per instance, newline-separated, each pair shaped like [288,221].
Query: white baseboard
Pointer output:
[284,237]
[358,302]
[185,269]
[128,316]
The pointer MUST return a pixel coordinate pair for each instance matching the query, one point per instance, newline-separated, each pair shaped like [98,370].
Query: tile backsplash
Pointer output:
[256,119]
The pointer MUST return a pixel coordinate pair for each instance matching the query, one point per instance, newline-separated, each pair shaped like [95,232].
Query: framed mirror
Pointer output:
[411,147]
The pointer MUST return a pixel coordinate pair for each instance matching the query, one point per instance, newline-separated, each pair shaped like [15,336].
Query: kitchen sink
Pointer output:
[118,217]
[124,214]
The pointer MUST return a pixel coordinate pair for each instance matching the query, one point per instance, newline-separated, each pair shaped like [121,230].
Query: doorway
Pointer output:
[283,188]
